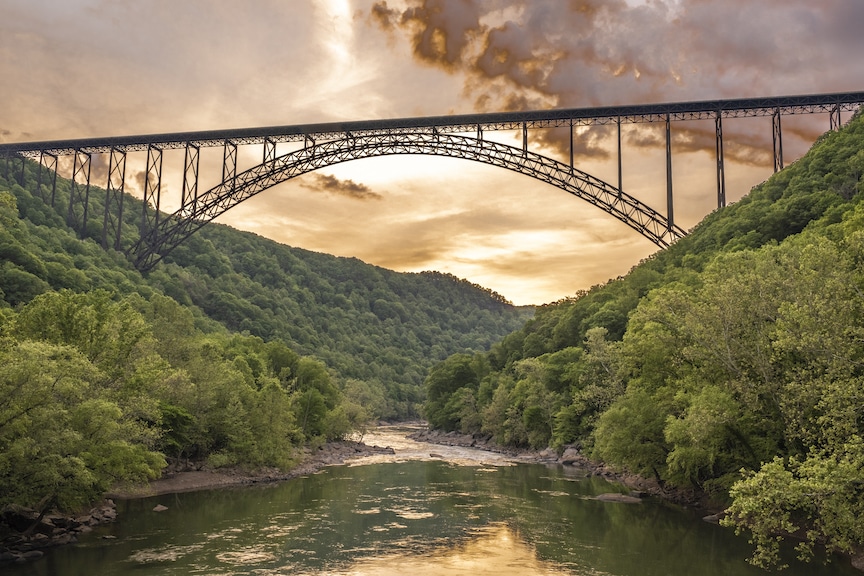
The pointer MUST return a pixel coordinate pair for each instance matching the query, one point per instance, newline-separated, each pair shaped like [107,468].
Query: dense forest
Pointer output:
[731,362]
[379,328]
[234,351]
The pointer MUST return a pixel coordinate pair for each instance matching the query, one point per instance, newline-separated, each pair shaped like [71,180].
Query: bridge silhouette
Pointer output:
[327,144]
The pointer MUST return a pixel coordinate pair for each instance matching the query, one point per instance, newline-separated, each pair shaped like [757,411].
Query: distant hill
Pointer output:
[365,323]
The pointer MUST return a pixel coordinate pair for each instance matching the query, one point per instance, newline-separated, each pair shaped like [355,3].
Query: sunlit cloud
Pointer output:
[88,68]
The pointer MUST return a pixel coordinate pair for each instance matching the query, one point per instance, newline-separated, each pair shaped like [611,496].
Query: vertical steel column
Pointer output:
[721,169]
[80,168]
[189,195]
[152,190]
[669,208]
[778,141]
[479,132]
[114,192]
[524,139]
[52,165]
[269,150]
[39,176]
[229,162]
[620,176]
[571,146]
[836,124]
[23,164]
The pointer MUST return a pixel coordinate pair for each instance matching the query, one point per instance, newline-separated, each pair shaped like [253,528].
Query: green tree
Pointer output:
[60,443]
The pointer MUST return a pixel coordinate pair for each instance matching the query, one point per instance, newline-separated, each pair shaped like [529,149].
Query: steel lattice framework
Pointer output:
[180,225]
[333,143]
[462,123]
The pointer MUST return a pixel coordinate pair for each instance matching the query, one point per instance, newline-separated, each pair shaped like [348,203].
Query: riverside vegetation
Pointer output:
[235,351]
[732,362]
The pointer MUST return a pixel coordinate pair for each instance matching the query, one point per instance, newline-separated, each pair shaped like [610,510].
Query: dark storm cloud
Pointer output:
[331,185]
[517,54]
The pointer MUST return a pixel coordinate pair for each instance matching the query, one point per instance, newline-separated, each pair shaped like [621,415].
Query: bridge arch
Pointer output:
[157,242]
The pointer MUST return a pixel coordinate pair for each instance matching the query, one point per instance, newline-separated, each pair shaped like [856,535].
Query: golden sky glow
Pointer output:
[86,68]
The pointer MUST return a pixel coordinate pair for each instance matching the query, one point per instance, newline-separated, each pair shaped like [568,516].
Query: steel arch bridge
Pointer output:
[172,231]
[333,143]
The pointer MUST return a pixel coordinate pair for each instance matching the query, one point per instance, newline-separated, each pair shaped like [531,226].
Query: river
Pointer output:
[426,510]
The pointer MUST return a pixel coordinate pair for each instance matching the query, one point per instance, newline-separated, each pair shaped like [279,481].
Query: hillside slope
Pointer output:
[730,363]
[381,328]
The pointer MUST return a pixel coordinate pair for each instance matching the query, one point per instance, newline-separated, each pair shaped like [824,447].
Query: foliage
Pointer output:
[105,374]
[364,323]
[730,362]
[88,400]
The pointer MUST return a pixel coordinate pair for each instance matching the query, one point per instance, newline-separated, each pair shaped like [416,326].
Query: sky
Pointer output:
[91,68]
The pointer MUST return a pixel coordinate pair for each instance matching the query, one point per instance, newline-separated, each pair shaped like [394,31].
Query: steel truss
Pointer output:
[114,193]
[79,199]
[49,162]
[331,143]
[832,104]
[159,241]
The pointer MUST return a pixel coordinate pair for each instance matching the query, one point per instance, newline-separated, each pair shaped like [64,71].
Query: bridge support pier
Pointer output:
[80,170]
[229,162]
[114,191]
[669,207]
[620,160]
[189,193]
[836,124]
[52,166]
[152,190]
[269,150]
[778,141]
[721,168]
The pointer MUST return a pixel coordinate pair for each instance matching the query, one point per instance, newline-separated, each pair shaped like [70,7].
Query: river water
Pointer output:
[427,510]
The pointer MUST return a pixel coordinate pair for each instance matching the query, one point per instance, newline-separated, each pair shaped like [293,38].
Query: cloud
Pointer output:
[90,68]
[521,54]
[331,185]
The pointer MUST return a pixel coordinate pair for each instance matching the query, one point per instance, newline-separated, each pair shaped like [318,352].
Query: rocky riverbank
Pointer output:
[24,535]
[571,456]
[198,477]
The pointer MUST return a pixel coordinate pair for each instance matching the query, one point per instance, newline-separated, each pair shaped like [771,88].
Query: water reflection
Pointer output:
[494,550]
[413,514]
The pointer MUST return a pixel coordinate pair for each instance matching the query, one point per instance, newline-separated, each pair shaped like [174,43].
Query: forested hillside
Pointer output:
[379,331]
[234,351]
[731,362]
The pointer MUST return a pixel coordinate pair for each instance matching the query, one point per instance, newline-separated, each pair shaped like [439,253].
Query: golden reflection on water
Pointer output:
[495,550]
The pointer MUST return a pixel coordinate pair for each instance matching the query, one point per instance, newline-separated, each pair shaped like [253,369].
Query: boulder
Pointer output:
[548,454]
[160,508]
[616,497]
[570,457]
[18,518]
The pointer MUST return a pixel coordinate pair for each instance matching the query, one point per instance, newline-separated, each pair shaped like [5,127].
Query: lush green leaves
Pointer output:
[731,362]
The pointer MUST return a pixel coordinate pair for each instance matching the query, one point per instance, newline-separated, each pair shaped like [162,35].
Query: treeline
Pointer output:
[377,329]
[732,361]
[97,391]
[234,351]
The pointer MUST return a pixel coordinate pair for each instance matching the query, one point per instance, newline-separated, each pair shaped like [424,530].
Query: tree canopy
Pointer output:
[730,362]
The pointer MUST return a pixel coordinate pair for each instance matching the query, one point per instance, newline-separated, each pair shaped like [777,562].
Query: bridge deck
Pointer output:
[462,123]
